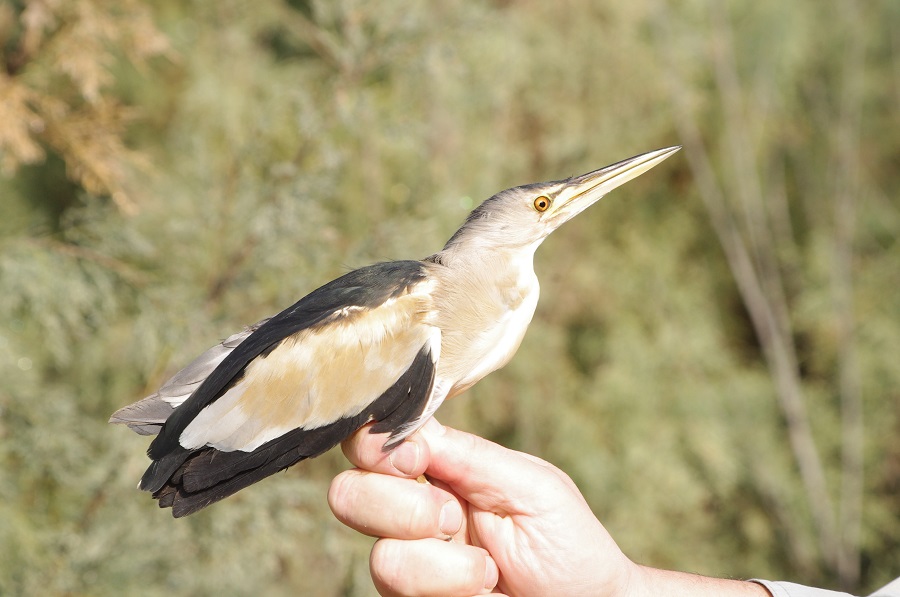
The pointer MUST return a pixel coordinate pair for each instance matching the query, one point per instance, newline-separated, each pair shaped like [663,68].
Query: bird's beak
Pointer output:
[580,192]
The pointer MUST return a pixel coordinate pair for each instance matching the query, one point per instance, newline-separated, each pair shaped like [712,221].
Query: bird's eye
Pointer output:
[542,203]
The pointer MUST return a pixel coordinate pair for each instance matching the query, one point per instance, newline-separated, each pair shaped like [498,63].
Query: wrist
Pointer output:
[634,581]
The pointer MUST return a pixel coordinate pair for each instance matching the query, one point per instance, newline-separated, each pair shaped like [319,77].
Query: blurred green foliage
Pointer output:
[175,170]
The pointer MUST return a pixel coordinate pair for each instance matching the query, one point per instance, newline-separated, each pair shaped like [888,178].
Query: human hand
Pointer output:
[514,521]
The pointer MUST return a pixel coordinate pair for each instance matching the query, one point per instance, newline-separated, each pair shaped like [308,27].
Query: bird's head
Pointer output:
[524,216]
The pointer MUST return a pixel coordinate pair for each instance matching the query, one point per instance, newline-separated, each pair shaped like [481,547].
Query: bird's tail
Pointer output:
[188,481]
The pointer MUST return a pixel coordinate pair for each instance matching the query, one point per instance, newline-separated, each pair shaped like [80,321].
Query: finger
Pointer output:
[491,477]
[385,506]
[364,450]
[431,567]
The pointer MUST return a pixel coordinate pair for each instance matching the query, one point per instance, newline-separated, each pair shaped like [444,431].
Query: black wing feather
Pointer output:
[368,287]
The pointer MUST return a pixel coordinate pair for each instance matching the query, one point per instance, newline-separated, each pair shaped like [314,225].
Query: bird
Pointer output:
[384,345]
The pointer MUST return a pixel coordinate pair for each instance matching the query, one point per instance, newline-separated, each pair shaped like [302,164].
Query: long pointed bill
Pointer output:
[580,192]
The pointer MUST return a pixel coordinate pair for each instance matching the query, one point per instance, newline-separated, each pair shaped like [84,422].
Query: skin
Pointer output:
[491,520]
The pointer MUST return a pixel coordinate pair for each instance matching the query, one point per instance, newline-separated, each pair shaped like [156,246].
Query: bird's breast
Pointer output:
[484,325]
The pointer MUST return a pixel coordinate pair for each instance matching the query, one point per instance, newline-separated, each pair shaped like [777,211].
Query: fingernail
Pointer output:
[405,457]
[451,518]
[491,573]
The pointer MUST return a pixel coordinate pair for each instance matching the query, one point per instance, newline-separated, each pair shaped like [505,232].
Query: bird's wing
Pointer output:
[360,348]
[318,375]
[354,334]
[147,416]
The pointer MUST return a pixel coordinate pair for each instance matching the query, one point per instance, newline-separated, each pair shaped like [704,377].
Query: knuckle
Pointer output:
[412,522]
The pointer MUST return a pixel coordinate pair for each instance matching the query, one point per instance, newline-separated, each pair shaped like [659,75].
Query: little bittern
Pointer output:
[387,344]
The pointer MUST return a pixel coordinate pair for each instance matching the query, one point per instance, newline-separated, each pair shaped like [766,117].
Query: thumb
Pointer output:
[489,476]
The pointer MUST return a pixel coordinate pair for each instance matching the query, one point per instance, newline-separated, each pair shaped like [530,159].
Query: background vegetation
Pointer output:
[715,357]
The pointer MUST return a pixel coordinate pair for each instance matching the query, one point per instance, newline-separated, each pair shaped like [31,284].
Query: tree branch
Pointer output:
[847,187]
[757,280]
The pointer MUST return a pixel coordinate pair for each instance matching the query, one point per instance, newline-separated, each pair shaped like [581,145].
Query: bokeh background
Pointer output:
[715,356]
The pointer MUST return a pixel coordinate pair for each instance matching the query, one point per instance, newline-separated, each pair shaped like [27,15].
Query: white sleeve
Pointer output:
[789,589]
[892,589]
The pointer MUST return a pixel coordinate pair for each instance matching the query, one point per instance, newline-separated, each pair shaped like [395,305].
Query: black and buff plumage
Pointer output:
[387,344]
[188,480]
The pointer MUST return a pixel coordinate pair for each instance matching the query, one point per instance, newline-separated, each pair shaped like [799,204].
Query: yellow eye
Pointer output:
[542,203]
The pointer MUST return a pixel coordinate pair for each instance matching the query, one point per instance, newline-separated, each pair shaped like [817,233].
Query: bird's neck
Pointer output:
[503,275]
[490,260]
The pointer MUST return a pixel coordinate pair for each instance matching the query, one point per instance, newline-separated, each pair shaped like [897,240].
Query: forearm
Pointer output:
[649,582]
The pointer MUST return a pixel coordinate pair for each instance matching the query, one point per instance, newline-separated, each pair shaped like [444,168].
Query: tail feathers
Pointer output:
[146,416]
[164,471]
[185,502]
[189,481]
